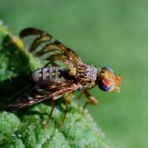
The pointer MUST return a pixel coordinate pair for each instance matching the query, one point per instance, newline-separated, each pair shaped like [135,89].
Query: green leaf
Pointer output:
[24,128]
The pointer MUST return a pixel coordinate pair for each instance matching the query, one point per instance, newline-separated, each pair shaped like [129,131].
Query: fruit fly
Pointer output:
[54,81]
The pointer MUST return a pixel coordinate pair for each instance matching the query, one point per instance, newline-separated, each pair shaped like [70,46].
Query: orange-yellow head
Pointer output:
[108,81]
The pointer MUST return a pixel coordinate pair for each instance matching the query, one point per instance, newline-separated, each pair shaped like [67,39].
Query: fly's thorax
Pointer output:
[46,73]
[86,75]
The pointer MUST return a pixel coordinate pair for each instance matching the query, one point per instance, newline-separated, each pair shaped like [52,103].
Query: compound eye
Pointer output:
[108,69]
[105,85]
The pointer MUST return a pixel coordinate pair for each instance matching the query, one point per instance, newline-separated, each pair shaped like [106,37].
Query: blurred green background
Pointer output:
[104,33]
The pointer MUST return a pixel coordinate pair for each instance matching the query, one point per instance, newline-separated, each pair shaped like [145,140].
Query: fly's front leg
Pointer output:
[91,100]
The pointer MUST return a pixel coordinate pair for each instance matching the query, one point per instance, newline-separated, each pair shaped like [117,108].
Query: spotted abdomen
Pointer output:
[46,73]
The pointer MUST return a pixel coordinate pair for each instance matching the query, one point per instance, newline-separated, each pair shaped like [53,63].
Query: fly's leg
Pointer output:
[68,97]
[51,112]
[61,92]
[91,100]
[80,95]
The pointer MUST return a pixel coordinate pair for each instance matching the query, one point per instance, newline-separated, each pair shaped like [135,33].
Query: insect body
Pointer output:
[53,81]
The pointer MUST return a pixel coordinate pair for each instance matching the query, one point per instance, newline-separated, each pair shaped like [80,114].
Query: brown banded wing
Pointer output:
[42,91]
[56,48]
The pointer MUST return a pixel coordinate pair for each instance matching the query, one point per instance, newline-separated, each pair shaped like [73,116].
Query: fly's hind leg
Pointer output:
[91,100]
[68,97]
[50,115]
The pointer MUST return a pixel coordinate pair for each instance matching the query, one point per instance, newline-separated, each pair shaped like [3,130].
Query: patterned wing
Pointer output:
[42,91]
[52,50]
